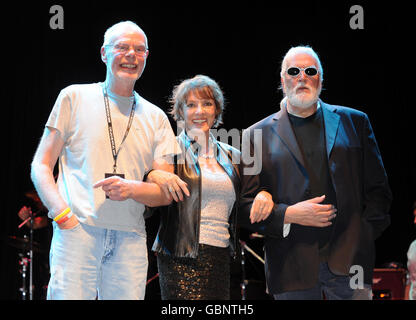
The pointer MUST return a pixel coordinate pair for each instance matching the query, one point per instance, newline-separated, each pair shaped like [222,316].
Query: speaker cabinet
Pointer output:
[389,284]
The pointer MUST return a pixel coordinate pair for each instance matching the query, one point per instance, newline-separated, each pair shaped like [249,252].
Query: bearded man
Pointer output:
[323,168]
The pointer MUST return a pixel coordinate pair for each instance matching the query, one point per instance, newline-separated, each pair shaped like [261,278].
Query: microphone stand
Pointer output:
[31,260]
[23,264]
[243,271]
[244,246]
[31,219]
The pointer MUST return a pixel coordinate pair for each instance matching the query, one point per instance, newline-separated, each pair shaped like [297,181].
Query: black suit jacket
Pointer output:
[361,187]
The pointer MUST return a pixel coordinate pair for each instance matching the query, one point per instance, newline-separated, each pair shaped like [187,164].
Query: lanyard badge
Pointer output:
[115,151]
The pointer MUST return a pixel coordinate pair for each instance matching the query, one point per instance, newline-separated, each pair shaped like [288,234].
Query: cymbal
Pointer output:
[23,243]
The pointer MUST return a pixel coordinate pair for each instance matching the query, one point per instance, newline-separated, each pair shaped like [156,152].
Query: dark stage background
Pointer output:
[240,44]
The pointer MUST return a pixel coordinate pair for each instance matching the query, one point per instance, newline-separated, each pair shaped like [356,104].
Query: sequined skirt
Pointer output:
[205,278]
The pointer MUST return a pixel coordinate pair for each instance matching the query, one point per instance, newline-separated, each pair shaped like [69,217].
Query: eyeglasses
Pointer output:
[295,71]
[124,48]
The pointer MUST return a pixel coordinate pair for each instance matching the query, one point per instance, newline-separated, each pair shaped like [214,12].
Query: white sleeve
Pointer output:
[286,229]
[60,115]
[165,141]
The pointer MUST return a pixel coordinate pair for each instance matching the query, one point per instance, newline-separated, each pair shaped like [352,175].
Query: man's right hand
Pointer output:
[311,213]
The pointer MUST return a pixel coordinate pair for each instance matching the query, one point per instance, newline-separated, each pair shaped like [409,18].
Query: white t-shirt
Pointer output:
[79,115]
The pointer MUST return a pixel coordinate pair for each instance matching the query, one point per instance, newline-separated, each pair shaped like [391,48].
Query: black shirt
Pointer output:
[310,135]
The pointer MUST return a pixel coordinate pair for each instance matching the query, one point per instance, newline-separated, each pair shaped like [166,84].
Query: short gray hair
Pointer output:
[203,86]
[110,31]
[301,49]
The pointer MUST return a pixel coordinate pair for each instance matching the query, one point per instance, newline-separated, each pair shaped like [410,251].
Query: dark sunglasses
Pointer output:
[295,71]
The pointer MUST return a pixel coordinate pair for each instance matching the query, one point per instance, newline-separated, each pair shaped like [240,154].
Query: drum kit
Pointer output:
[27,247]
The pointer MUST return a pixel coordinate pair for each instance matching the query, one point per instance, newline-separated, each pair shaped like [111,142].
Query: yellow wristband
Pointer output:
[62,214]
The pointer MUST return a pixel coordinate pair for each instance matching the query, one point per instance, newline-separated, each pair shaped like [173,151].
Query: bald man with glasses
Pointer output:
[106,138]
[322,165]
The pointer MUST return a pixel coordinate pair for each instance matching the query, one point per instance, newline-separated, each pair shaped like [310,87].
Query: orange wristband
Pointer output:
[64,218]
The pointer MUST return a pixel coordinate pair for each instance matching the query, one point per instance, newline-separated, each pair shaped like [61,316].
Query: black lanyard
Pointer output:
[110,127]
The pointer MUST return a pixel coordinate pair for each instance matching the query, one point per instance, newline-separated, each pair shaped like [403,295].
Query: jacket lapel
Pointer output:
[284,130]
[331,120]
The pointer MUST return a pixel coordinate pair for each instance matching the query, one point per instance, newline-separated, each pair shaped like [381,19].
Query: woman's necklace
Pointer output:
[210,154]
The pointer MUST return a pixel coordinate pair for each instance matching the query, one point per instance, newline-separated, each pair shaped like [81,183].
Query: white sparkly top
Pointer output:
[218,197]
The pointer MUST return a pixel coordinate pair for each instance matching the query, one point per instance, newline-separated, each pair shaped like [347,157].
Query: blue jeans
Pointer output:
[335,287]
[87,262]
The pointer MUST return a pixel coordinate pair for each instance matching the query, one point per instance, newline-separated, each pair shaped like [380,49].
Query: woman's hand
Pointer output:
[262,207]
[173,186]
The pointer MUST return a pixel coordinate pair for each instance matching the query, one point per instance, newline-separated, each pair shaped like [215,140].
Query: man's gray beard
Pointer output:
[301,103]
[296,101]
